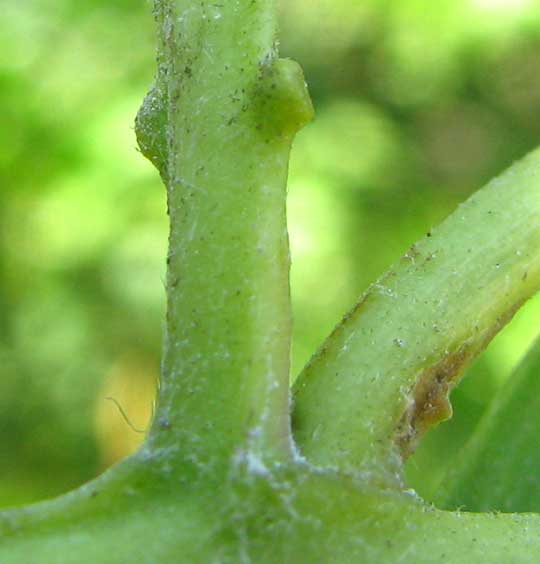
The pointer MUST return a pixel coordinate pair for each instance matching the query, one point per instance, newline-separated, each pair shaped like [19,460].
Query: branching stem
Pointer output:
[383,377]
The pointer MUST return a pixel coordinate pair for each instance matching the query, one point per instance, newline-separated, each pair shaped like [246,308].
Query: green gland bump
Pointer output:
[151,126]
[283,105]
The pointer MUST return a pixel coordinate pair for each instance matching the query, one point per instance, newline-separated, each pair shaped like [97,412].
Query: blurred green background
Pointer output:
[418,104]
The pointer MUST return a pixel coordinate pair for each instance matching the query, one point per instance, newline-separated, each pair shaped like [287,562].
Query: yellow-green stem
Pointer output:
[230,109]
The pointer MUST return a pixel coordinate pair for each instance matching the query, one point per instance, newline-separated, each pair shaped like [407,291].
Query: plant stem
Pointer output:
[383,377]
[218,124]
[231,111]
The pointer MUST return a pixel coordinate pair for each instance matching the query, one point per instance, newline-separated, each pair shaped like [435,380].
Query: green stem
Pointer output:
[231,110]
[383,377]
[219,124]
